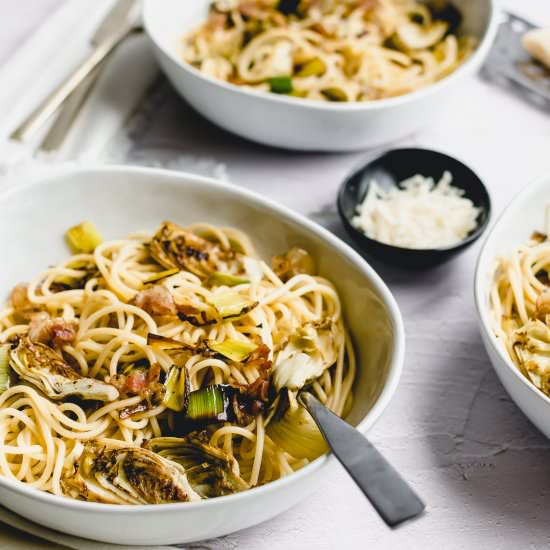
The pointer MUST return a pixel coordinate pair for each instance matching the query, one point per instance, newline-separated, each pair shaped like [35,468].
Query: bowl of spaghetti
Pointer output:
[319,75]
[152,351]
[512,292]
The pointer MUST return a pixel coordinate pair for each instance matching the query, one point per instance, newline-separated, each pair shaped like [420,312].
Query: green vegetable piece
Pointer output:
[313,67]
[231,304]
[297,93]
[233,349]
[83,238]
[161,275]
[280,84]
[224,279]
[4,367]
[176,397]
[334,94]
[210,404]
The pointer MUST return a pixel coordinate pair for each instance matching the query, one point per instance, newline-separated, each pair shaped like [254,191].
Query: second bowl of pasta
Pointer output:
[326,76]
[512,293]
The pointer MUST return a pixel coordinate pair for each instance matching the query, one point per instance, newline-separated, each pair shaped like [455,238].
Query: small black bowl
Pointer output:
[388,171]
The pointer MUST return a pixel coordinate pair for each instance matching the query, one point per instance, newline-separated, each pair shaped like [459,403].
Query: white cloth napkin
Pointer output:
[56,538]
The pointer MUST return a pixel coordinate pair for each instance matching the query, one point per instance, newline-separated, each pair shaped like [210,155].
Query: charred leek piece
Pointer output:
[231,304]
[224,279]
[161,275]
[162,342]
[4,367]
[176,397]
[210,404]
[235,350]
[83,238]
[210,470]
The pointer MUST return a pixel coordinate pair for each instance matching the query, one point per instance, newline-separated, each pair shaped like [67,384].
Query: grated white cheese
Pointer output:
[417,214]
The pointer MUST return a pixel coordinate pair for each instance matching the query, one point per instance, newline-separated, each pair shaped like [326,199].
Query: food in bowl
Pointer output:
[329,50]
[520,306]
[164,368]
[418,213]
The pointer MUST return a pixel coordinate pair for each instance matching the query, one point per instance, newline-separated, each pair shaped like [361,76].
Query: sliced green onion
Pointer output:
[210,403]
[280,84]
[231,304]
[224,279]
[176,397]
[313,67]
[233,349]
[83,238]
[4,367]
[161,275]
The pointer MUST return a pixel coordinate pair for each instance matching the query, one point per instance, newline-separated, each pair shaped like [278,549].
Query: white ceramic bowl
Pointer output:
[521,217]
[305,124]
[35,216]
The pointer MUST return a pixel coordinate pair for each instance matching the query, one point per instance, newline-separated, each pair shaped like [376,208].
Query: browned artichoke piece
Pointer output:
[45,369]
[127,475]
[210,470]
[174,247]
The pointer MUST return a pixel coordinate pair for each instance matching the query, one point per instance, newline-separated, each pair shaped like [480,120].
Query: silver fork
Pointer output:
[118,23]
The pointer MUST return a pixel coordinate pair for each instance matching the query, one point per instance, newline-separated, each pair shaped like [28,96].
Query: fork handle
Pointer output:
[54,100]
[393,499]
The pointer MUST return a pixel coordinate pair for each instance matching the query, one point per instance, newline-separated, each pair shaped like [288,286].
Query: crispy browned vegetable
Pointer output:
[174,247]
[210,471]
[127,475]
[45,369]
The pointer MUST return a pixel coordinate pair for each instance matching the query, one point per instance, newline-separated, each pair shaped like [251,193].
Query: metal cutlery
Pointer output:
[118,23]
[509,62]
[394,500]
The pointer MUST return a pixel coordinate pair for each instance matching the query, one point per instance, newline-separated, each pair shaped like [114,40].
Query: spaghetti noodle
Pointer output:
[520,305]
[132,312]
[331,50]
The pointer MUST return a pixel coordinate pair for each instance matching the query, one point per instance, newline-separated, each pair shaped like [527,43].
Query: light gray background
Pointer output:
[451,428]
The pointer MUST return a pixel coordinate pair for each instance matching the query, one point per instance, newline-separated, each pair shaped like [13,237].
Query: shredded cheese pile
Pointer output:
[417,214]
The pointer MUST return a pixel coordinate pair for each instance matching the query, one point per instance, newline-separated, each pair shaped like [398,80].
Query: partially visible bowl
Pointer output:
[123,200]
[306,124]
[518,221]
[389,170]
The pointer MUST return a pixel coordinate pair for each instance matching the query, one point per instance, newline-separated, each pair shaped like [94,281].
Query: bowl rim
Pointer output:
[279,211]
[480,288]
[473,236]
[479,54]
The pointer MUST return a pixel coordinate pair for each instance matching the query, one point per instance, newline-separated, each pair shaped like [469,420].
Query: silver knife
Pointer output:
[120,20]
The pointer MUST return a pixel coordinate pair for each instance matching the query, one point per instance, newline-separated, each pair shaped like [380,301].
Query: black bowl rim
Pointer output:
[455,247]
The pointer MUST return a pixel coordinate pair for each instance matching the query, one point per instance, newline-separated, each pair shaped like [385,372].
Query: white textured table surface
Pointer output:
[451,428]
